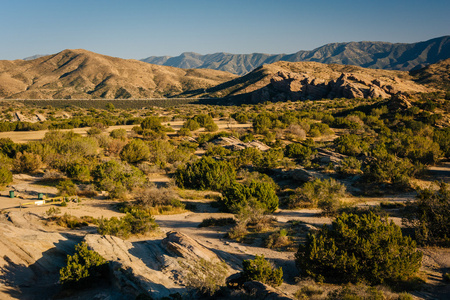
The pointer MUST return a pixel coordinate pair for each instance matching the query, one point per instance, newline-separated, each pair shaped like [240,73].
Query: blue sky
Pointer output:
[142,28]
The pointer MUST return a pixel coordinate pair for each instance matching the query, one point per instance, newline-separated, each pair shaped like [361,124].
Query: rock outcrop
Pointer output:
[236,144]
[292,86]
[157,268]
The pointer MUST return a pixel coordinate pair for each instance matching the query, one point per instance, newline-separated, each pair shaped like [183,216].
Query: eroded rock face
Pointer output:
[286,85]
[184,246]
[154,267]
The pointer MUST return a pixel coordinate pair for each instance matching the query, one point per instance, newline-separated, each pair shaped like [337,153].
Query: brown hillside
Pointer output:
[311,80]
[436,75]
[80,74]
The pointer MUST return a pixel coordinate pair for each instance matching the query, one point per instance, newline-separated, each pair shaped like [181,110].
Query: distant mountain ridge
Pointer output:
[376,55]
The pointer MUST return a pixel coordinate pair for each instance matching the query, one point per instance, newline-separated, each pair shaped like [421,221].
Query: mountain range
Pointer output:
[377,55]
[81,74]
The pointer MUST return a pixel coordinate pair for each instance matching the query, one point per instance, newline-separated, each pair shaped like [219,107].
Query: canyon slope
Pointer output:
[377,55]
[81,74]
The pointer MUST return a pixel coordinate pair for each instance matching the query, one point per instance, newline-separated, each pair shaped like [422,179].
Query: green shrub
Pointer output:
[117,177]
[184,132]
[136,221]
[152,123]
[350,166]
[431,216]
[324,194]
[384,167]
[249,156]
[118,133]
[191,125]
[135,151]
[351,144]
[298,151]
[211,127]
[6,176]
[260,269]
[359,248]
[83,267]
[258,194]
[206,173]
[66,188]
[78,170]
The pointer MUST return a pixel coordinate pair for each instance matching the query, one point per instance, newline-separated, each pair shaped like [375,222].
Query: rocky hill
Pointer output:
[80,74]
[283,81]
[378,55]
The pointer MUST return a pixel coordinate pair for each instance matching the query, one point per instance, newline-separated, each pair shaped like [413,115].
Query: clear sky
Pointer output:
[142,28]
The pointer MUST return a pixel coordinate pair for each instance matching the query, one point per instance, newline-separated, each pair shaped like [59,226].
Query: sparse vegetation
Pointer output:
[206,277]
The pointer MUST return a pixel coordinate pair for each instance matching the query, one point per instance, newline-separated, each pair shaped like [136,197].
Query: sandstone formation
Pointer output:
[157,268]
[236,144]
[282,81]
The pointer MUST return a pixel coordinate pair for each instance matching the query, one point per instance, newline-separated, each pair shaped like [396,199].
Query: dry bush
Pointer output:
[238,232]
[72,222]
[52,175]
[278,240]
[297,131]
[151,196]
[27,162]
[205,277]
[115,146]
[87,191]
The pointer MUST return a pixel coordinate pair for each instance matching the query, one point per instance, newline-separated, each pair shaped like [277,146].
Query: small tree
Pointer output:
[261,270]
[83,266]
[359,248]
